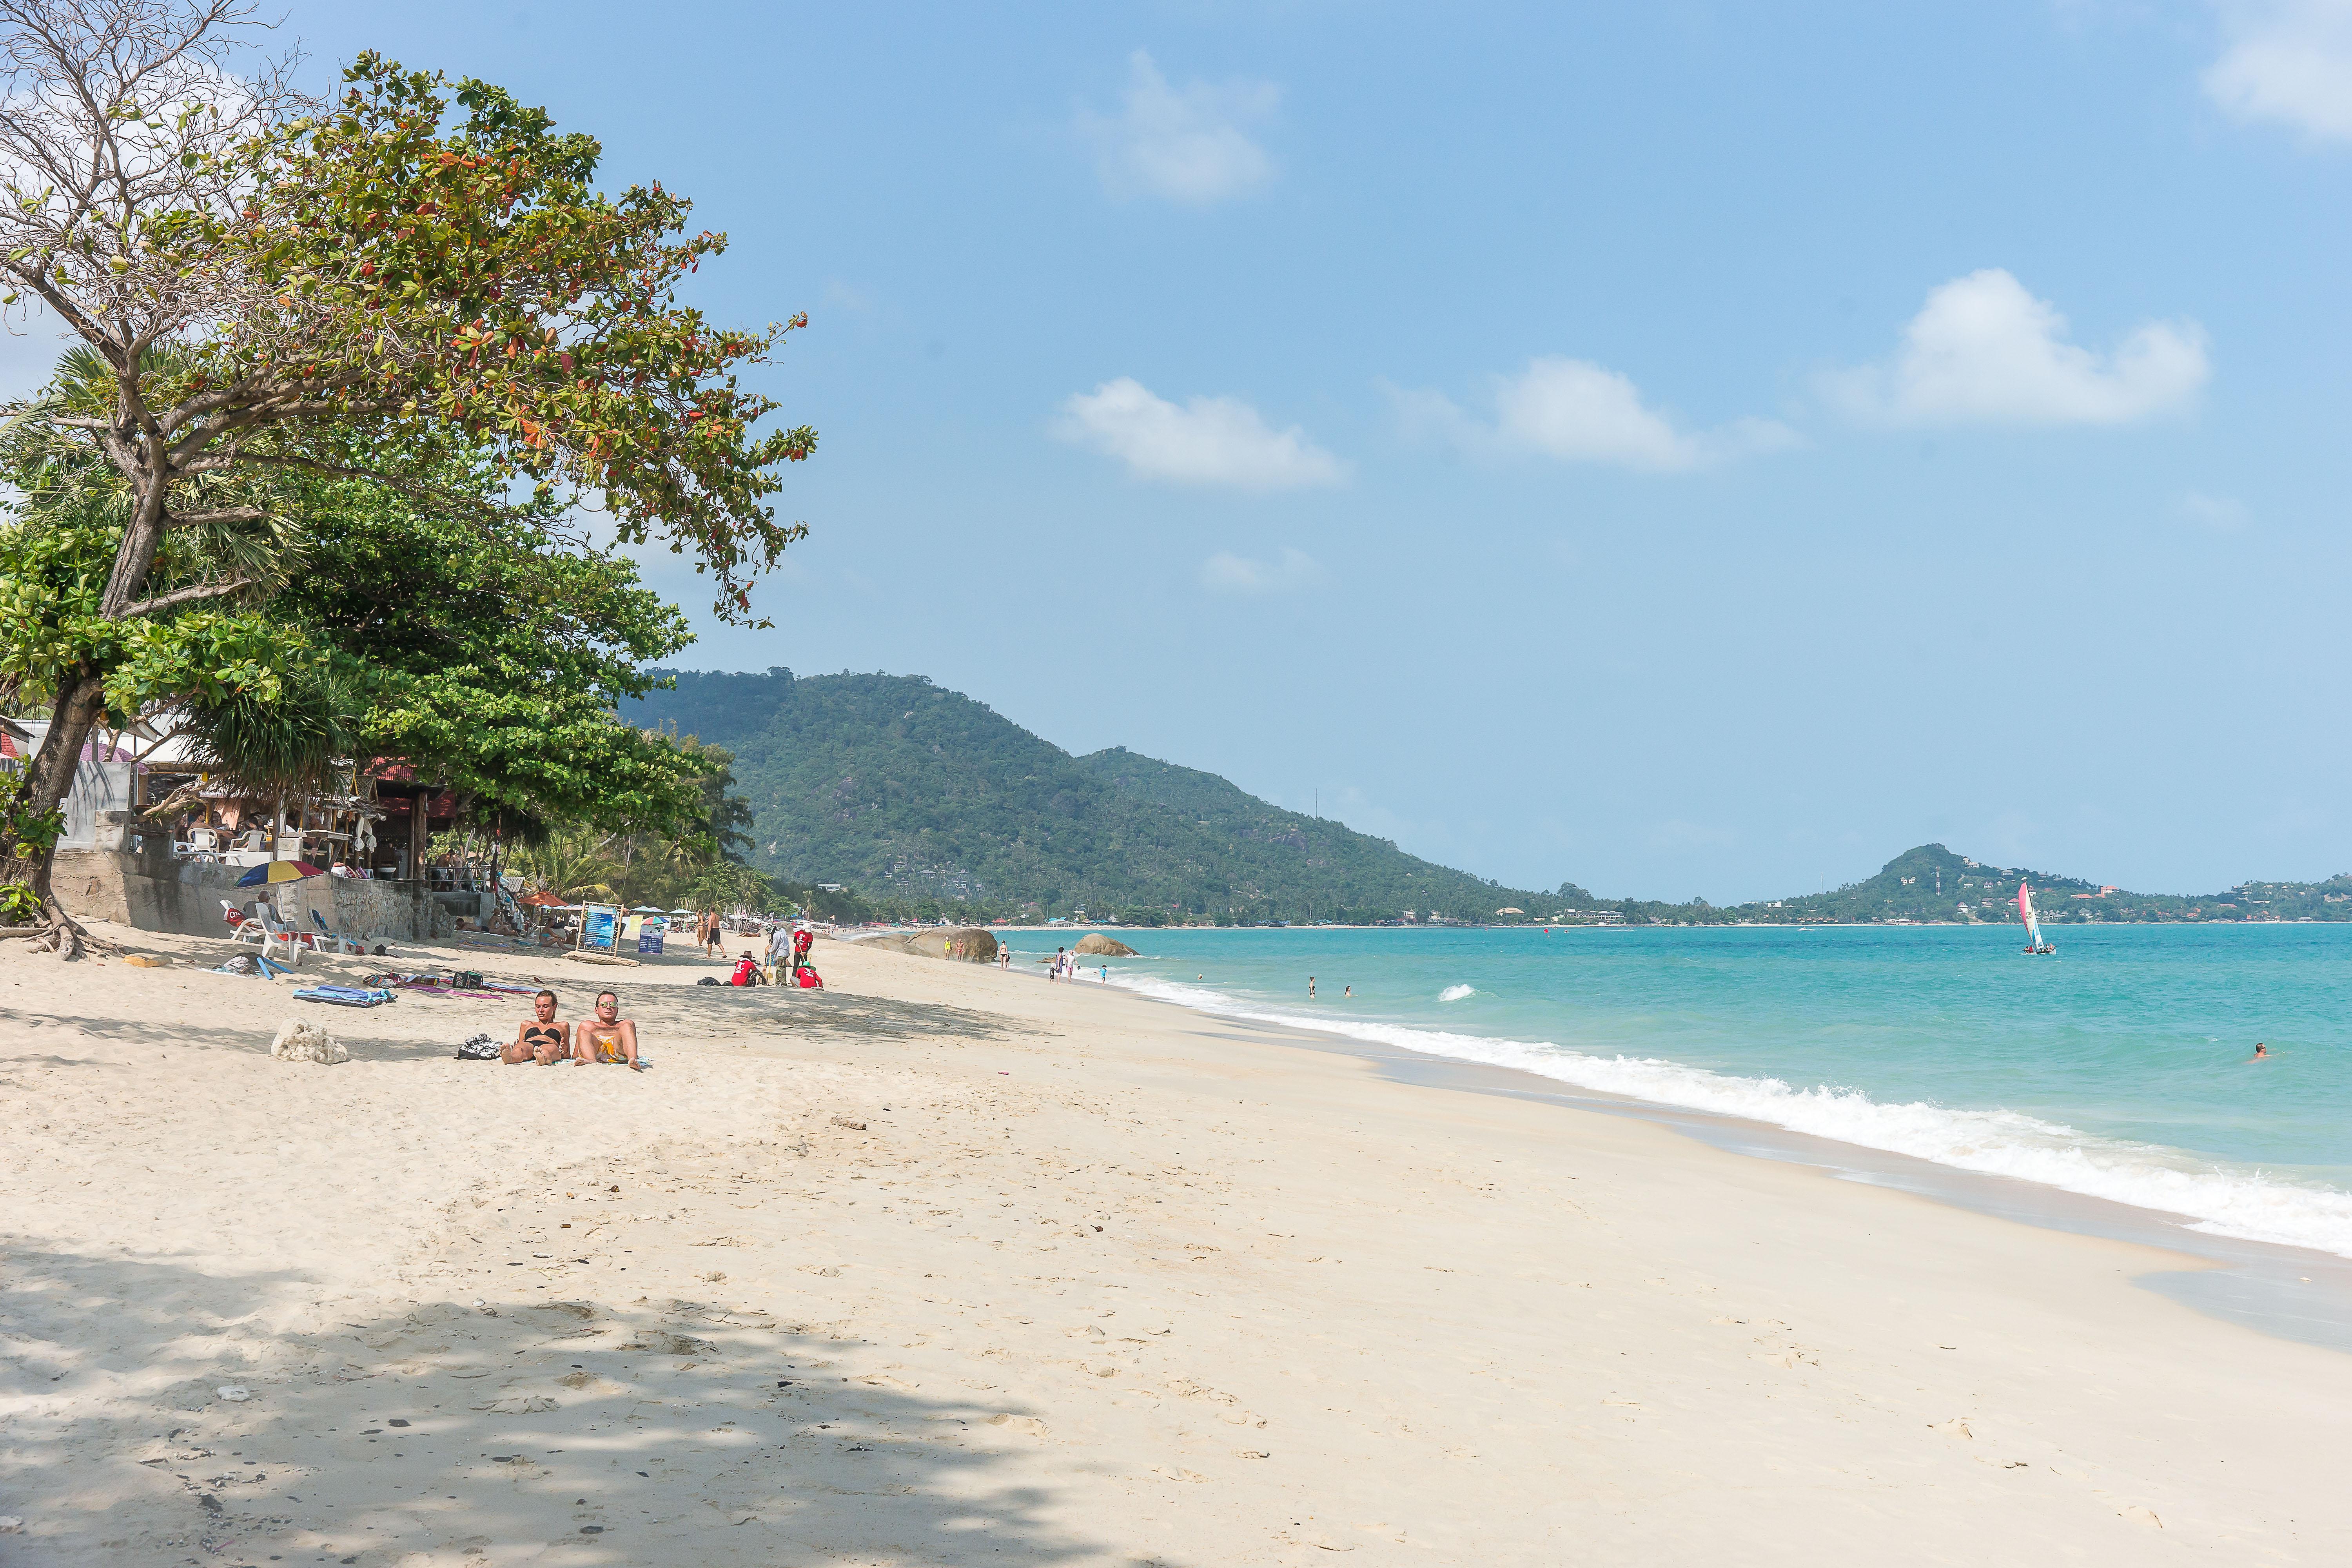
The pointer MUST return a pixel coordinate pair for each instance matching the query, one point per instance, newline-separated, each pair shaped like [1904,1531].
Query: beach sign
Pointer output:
[600,925]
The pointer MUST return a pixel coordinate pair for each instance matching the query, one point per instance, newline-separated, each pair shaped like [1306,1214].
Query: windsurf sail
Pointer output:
[2025,909]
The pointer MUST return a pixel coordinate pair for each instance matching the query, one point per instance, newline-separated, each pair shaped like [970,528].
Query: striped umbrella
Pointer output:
[278,871]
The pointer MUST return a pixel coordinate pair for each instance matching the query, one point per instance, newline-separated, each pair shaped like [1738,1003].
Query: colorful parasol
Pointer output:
[278,871]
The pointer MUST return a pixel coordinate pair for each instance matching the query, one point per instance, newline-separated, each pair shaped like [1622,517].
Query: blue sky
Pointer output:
[1684,449]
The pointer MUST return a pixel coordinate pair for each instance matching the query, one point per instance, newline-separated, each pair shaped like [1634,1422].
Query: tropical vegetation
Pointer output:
[394,338]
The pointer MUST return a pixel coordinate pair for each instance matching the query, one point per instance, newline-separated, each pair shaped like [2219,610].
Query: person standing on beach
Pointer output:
[1311,988]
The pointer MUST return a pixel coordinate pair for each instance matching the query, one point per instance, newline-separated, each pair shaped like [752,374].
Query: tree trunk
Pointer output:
[420,894]
[416,834]
[49,779]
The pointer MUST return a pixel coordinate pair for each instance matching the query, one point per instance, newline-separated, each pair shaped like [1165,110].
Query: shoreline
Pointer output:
[2298,1293]
[941,1268]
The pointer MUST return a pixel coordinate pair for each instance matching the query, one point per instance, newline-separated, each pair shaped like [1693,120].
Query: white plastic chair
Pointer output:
[243,927]
[341,943]
[288,946]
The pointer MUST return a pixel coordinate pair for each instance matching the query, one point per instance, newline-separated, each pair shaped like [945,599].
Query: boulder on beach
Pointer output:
[970,945]
[1094,945]
[300,1040]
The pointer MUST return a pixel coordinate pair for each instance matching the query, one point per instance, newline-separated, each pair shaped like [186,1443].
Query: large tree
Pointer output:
[416,274]
[495,656]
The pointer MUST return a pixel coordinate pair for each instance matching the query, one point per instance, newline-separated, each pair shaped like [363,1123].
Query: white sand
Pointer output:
[1097,1281]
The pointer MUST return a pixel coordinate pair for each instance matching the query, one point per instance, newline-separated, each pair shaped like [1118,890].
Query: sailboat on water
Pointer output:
[2033,942]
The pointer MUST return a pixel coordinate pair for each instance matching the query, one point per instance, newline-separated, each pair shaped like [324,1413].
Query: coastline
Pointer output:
[944,1266]
[2293,1292]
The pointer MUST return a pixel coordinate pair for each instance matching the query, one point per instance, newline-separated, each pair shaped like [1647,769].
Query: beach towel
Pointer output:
[343,996]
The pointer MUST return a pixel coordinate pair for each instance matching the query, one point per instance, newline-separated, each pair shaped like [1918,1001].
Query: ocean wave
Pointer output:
[1456,993]
[2219,1199]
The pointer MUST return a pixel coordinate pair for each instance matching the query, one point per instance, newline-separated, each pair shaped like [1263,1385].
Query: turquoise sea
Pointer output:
[2118,1069]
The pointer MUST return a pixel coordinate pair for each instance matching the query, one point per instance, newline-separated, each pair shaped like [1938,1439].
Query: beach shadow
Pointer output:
[582,1432]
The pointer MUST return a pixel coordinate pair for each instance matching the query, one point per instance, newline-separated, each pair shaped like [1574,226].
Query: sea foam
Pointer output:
[2216,1198]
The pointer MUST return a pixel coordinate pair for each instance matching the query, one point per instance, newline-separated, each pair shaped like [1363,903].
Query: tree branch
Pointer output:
[186,596]
[226,514]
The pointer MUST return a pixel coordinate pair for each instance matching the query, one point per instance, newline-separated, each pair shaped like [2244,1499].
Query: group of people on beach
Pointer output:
[546,1039]
[1066,965]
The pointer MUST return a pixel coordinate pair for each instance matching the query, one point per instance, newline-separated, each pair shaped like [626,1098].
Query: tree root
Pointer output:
[62,935]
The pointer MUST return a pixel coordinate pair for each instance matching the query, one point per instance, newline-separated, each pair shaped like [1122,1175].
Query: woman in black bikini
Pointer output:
[545,1042]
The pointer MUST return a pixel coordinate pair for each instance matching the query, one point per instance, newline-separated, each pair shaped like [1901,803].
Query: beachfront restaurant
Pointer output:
[152,842]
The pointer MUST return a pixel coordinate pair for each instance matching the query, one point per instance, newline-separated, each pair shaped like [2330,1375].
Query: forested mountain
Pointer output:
[926,801]
[925,797]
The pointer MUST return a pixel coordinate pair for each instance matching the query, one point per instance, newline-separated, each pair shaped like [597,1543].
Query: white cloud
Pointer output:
[1227,573]
[2288,60]
[1187,144]
[1580,412]
[2218,512]
[1982,350]
[1209,441]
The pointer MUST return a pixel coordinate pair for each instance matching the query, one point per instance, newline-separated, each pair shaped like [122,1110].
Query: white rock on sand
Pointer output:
[300,1040]
[946,1266]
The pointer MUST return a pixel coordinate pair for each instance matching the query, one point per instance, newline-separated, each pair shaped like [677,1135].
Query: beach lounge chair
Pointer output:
[279,940]
[241,926]
[336,939]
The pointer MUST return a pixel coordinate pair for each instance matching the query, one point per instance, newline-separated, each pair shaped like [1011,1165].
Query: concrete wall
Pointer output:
[145,888]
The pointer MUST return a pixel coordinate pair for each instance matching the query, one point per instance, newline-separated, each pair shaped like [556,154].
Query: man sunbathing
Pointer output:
[545,1041]
[611,1039]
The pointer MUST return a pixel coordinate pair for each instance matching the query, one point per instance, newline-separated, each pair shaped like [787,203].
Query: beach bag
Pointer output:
[710,980]
[478,1048]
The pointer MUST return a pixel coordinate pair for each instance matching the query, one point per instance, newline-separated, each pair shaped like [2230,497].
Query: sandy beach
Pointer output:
[949,1265]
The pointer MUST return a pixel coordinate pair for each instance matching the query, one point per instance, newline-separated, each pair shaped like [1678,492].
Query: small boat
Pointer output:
[2033,942]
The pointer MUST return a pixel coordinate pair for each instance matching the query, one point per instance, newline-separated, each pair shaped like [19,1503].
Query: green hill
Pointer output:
[926,802]
[1932,884]
[925,797]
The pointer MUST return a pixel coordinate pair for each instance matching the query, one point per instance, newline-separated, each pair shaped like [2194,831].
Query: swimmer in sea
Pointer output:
[2261,1053]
